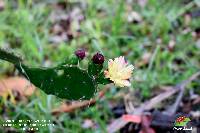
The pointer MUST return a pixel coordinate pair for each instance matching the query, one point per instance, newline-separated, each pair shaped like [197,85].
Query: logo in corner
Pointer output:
[181,123]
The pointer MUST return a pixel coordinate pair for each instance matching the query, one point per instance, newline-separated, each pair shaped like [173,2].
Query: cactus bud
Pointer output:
[98,59]
[80,53]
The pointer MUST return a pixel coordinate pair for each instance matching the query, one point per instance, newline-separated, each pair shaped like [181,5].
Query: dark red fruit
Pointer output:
[80,53]
[98,58]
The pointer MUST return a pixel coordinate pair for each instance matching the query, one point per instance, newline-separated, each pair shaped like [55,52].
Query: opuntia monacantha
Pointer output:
[67,80]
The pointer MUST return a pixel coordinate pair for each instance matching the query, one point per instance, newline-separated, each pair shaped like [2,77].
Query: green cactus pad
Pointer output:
[69,82]
[94,69]
[66,80]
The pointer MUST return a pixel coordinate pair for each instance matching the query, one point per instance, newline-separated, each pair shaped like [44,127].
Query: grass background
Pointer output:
[26,28]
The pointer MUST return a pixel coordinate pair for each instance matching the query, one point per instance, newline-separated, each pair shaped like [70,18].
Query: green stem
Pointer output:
[4,55]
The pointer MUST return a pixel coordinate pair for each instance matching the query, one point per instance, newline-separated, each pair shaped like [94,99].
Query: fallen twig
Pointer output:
[119,123]
[70,108]
[172,109]
[79,104]
[196,101]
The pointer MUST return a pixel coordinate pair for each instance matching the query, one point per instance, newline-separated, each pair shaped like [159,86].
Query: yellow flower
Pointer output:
[119,71]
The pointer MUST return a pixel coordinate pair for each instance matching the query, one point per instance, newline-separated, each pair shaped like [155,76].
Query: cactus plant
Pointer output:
[67,80]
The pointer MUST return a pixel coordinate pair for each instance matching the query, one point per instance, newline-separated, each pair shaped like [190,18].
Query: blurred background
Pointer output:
[160,38]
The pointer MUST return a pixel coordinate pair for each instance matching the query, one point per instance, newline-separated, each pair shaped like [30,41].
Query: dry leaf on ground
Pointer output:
[21,85]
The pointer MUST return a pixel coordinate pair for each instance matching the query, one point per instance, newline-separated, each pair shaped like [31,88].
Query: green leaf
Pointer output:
[101,79]
[70,60]
[69,82]
[94,69]
[10,57]
[65,81]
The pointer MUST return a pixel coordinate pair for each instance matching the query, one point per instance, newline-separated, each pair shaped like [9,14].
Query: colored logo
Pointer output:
[181,123]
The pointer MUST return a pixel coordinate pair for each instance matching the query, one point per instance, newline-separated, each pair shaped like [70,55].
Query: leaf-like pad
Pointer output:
[65,81]
[69,82]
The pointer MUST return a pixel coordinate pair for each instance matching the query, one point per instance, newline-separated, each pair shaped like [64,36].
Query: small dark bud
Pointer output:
[80,53]
[98,58]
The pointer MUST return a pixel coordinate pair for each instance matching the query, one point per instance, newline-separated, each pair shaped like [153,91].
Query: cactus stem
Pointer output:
[10,57]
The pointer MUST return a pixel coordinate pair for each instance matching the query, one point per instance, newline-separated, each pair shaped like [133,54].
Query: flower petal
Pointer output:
[119,71]
[122,83]
[127,72]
